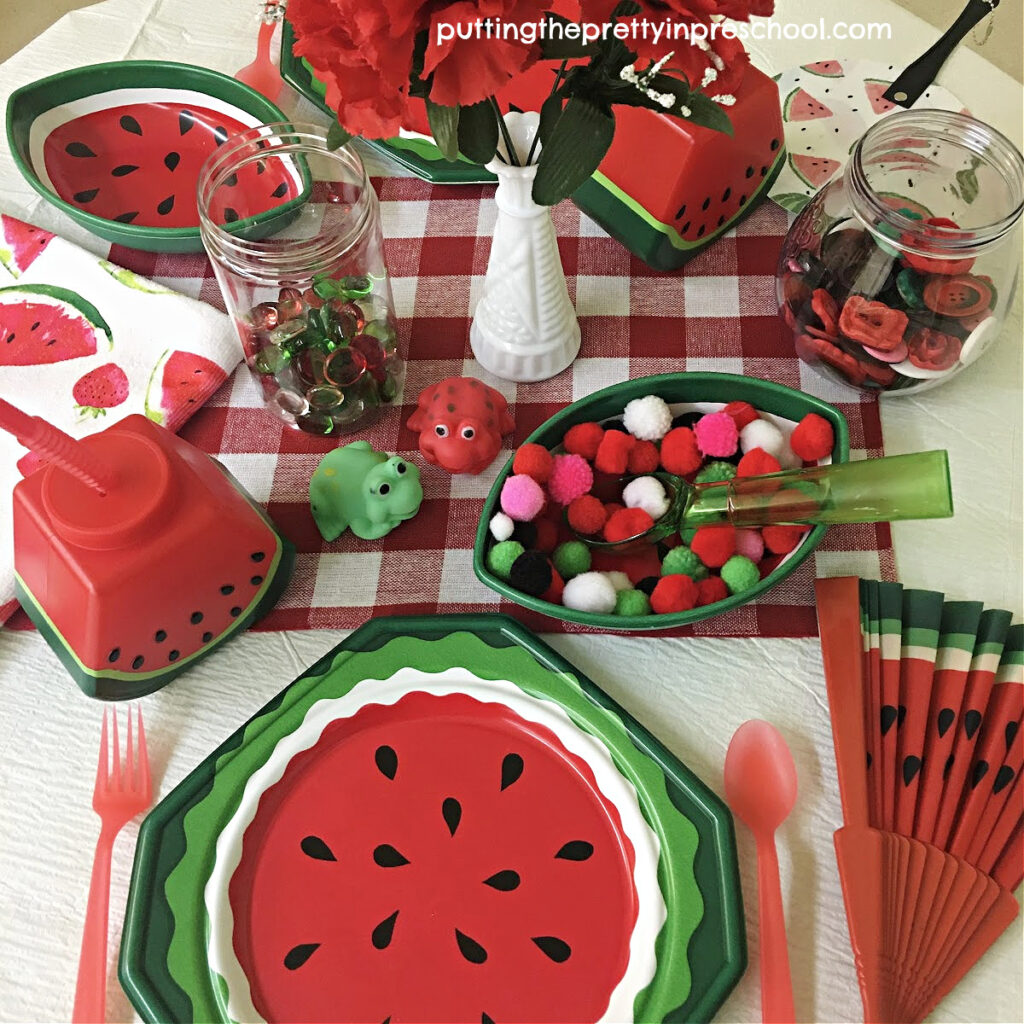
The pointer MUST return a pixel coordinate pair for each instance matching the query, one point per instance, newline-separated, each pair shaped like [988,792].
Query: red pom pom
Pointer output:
[613,452]
[547,536]
[626,523]
[679,452]
[553,595]
[813,438]
[782,539]
[742,413]
[675,593]
[587,515]
[533,460]
[583,439]
[644,458]
[757,462]
[714,545]
[710,590]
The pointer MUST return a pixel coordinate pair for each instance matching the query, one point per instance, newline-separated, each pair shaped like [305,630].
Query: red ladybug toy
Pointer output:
[460,421]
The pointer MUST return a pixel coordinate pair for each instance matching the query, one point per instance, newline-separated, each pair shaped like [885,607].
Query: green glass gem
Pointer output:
[356,286]
[381,330]
[269,360]
[389,388]
[324,398]
[908,284]
[910,214]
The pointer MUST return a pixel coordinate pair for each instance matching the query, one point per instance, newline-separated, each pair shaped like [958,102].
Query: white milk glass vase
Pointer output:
[524,326]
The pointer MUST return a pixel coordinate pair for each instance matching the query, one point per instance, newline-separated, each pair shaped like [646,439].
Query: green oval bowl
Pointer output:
[673,388]
[33,100]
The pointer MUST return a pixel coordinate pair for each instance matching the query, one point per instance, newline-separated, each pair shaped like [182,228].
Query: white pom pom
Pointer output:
[646,492]
[648,418]
[590,592]
[788,459]
[762,434]
[502,526]
[619,580]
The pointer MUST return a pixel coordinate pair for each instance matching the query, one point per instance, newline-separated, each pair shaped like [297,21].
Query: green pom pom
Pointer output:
[571,559]
[740,573]
[716,473]
[682,560]
[686,536]
[632,602]
[501,557]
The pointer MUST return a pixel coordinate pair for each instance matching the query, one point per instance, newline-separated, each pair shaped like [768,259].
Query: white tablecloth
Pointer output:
[692,693]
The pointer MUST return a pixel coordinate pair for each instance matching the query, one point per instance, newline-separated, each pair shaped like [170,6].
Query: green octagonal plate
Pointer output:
[255,897]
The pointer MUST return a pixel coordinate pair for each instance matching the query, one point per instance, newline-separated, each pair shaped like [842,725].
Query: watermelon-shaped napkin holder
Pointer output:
[440,821]
[132,584]
[118,148]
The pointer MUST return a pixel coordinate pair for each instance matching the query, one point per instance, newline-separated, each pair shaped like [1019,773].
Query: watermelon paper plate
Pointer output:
[118,148]
[441,821]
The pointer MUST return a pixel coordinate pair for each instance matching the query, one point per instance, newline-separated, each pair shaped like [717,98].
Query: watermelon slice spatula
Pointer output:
[135,554]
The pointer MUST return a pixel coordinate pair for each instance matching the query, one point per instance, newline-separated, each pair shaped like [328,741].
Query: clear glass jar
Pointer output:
[900,273]
[306,281]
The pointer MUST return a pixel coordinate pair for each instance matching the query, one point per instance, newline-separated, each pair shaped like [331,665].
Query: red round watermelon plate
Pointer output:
[119,148]
[438,858]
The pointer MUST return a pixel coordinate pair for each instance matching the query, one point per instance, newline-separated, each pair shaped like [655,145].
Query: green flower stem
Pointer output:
[554,88]
[513,156]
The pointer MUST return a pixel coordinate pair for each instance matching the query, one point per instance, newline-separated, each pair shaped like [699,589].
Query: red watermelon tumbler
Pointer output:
[136,554]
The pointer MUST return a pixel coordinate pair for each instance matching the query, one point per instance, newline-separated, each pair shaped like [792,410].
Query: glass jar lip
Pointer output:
[291,138]
[984,140]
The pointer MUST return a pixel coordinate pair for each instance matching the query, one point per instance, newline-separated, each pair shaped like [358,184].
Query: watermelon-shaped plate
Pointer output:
[118,147]
[442,821]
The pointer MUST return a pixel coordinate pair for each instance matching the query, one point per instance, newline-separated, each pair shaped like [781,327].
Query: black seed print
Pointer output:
[1003,778]
[511,769]
[236,611]
[701,230]
[682,210]
[386,856]
[486,1019]
[160,636]
[869,760]
[230,215]
[231,180]
[173,655]
[980,771]
[686,227]
[382,934]
[195,618]
[127,218]
[576,849]
[553,948]
[281,190]
[220,134]
[948,767]
[172,160]
[972,722]
[945,720]
[315,847]
[1010,732]
[470,949]
[911,766]
[387,761]
[207,637]
[129,124]
[165,206]
[888,717]
[774,145]
[114,655]
[743,199]
[87,196]
[451,811]
[900,715]
[121,170]
[79,149]
[258,556]
[749,172]
[227,589]
[298,955]
[706,203]
[255,580]
[138,661]
[503,881]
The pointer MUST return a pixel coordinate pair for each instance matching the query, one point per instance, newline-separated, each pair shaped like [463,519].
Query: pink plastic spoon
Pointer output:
[263,74]
[760,785]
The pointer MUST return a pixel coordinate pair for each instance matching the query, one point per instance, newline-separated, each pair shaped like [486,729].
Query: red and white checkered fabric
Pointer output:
[717,313]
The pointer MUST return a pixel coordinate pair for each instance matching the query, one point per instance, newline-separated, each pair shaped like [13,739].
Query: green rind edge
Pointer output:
[719,941]
[83,306]
[767,396]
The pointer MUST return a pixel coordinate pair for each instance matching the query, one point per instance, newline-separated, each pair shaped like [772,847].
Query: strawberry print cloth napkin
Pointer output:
[84,343]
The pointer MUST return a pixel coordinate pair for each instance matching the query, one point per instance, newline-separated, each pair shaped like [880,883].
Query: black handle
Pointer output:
[907,89]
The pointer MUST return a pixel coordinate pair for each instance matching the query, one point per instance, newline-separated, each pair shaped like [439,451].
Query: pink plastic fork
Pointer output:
[263,74]
[120,793]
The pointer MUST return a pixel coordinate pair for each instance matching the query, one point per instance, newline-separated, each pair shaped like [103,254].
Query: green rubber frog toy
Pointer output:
[363,490]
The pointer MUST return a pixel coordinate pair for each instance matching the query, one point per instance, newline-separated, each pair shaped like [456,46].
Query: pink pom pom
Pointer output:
[717,435]
[522,498]
[571,477]
[750,544]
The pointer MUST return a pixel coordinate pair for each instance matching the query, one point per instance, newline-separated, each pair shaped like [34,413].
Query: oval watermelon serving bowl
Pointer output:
[118,148]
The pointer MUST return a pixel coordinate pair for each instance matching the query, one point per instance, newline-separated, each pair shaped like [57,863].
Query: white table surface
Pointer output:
[692,693]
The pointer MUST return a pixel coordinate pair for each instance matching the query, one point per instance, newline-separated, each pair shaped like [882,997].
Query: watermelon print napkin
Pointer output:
[84,343]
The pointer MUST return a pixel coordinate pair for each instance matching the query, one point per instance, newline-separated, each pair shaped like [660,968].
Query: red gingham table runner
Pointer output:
[717,313]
